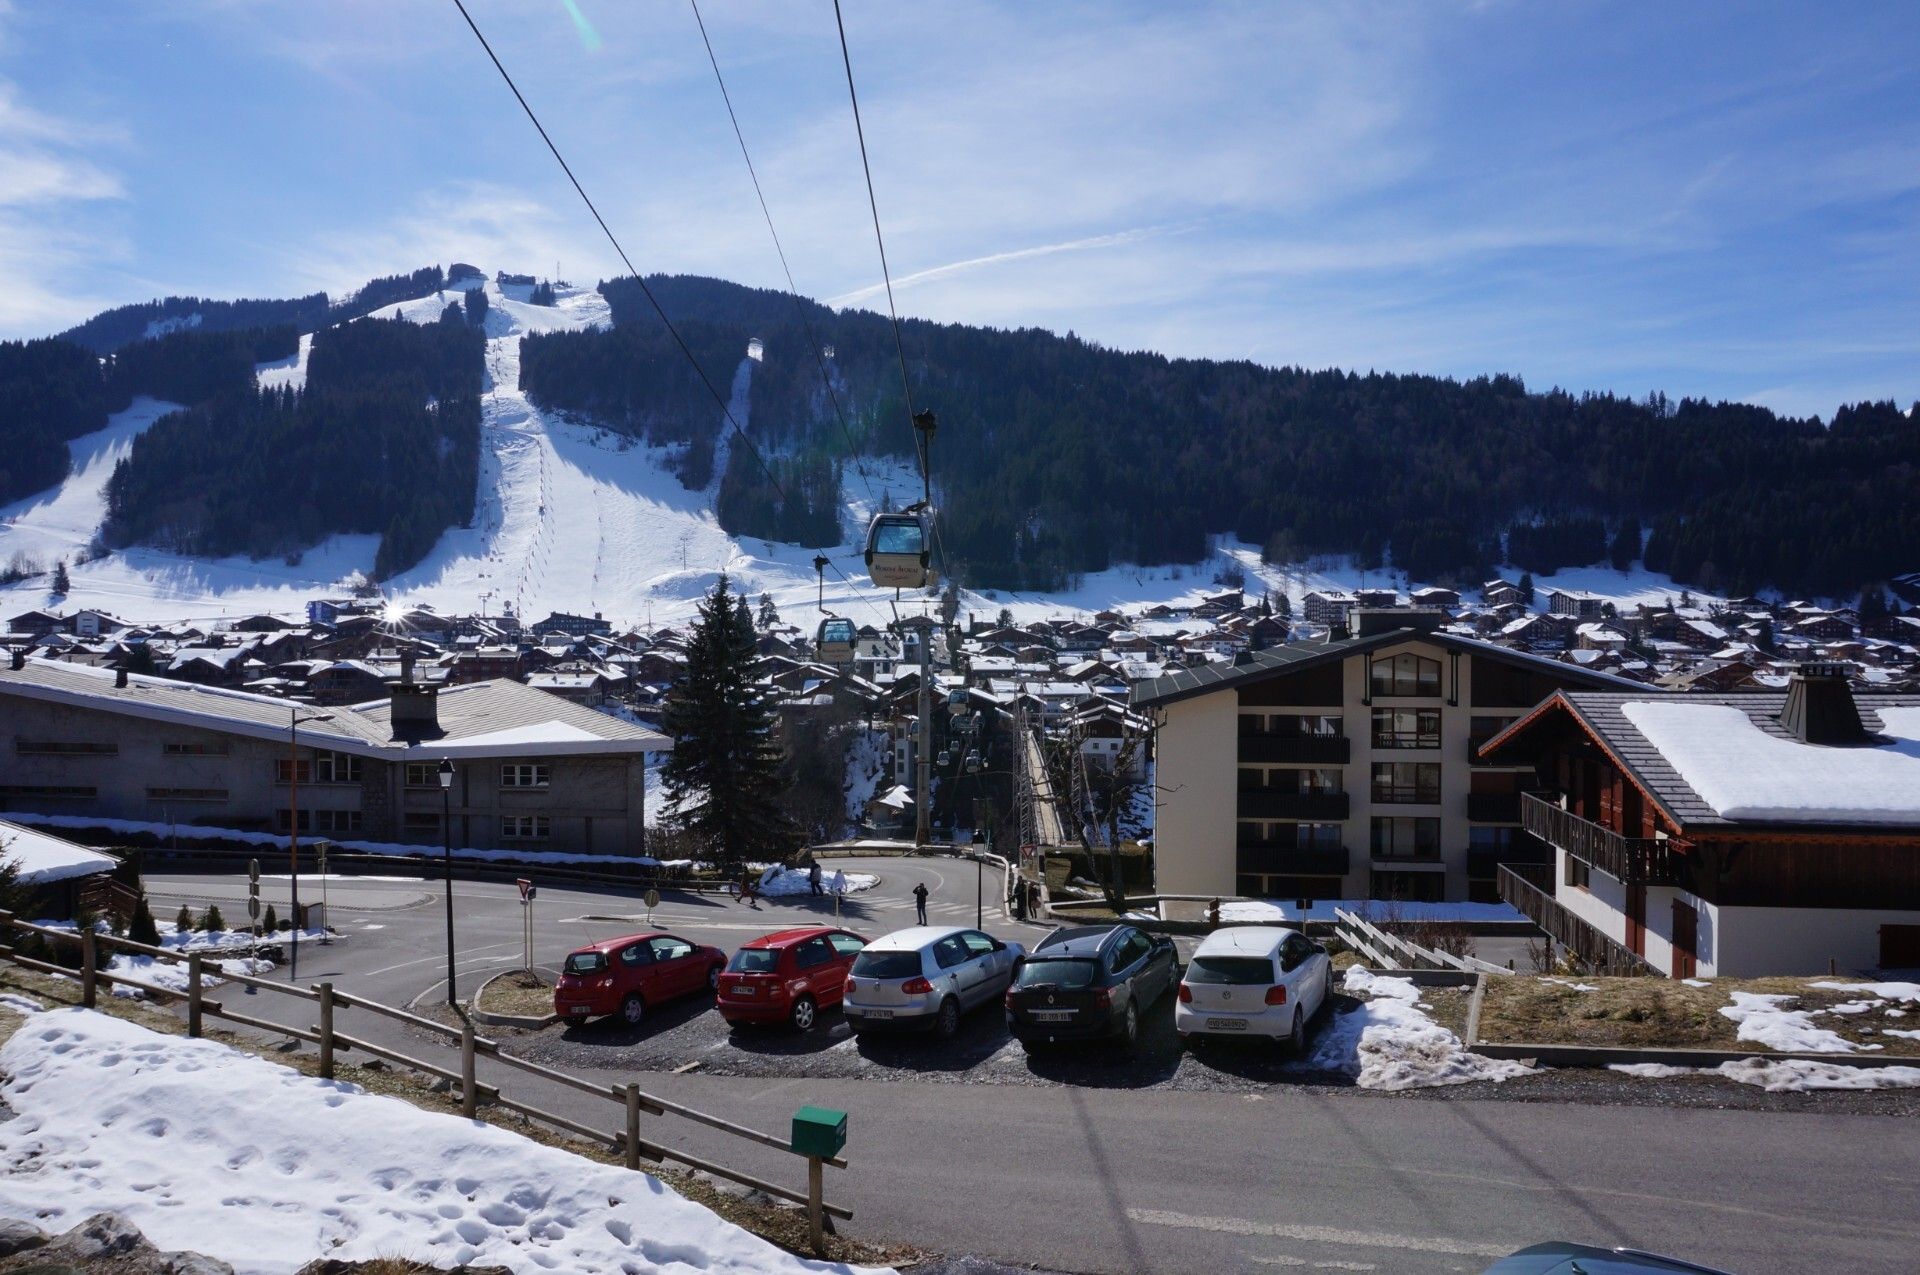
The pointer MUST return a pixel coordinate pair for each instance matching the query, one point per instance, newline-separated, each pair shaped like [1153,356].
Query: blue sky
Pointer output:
[1717,199]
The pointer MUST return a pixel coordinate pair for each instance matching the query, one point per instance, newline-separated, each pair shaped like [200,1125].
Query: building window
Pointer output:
[283,769]
[49,791]
[423,774]
[1293,725]
[1494,839]
[1394,838]
[1406,782]
[336,768]
[337,821]
[420,821]
[1406,728]
[186,794]
[1406,674]
[523,827]
[63,748]
[524,775]
[1577,872]
[216,748]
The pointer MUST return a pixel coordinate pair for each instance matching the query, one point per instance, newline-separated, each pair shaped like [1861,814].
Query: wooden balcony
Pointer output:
[1302,750]
[1633,860]
[1528,888]
[1268,804]
[1304,861]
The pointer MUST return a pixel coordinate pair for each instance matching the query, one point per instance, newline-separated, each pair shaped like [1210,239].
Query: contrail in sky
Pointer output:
[956,267]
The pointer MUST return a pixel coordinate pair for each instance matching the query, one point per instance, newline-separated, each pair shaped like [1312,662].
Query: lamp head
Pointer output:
[446,773]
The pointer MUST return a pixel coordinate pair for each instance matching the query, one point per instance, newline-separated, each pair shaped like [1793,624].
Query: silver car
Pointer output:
[926,977]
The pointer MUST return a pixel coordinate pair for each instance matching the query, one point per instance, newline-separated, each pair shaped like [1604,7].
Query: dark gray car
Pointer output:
[1089,981]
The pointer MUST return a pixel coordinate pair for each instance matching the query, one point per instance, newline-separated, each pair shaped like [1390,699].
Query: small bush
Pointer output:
[271,921]
[142,928]
[213,922]
[183,919]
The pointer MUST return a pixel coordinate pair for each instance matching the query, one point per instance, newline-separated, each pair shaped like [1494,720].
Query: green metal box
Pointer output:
[819,1131]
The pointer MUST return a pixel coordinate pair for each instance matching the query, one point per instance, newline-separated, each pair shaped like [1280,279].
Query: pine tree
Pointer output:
[213,922]
[62,584]
[1526,587]
[769,615]
[1283,605]
[141,929]
[271,922]
[724,777]
[476,306]
[1005,618]
[183,919]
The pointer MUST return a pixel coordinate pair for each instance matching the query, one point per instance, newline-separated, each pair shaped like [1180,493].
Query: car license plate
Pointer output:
[1226,1024]
[876,1013]
[746,991]
[1052,1015]
[577,1009]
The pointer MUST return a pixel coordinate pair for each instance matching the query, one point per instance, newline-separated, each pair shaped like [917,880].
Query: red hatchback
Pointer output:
[788,977]
[626,975]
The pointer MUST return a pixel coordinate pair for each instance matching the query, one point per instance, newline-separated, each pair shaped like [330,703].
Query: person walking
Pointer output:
[920,902]
[813,878]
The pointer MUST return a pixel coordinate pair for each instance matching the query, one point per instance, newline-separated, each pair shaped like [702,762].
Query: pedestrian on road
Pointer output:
[813,878]
[920,902]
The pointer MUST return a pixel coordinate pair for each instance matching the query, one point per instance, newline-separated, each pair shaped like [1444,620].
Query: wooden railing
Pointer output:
[328,1002]
[1385,950]
[1528,887]
[1632,860]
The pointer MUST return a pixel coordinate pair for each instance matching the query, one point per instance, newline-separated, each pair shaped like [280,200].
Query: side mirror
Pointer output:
[1321,948]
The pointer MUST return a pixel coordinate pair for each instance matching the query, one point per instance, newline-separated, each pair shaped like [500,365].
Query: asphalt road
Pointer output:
[1089,1177]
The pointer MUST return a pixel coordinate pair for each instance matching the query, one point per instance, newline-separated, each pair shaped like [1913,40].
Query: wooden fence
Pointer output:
[1390,951]
[328,1002]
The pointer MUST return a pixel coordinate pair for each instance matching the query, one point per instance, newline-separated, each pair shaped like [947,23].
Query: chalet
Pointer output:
[1823,628]
[261,623]
[1376,597]
[1725,834]
[1576,603]
[36,623]
[1497,593]
[93,624]
[1435,596]
[574,625]
[1701,635]
[58,876]
[1327,606]
[1345,769]
[1598,635]
[588,687]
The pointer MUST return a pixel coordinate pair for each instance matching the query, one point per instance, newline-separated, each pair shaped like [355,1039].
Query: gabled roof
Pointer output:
[1254,665]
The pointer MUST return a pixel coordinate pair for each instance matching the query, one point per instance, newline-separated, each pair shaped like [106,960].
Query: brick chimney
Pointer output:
[1819,707]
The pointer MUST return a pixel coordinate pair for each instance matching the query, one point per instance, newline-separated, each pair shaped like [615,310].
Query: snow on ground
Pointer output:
[1745,773]
[1388,1043]
[866,766]
[1782,1075]
[1764,1019]
[60,522]
[778,882]
[1374,910]
[42,859]
[1885,991]
[206,1148]
[20,1004]
[282,373]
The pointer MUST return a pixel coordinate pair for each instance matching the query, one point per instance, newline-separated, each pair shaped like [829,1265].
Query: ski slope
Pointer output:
[572,517]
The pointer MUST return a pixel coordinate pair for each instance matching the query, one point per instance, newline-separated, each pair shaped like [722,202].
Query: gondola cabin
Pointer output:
[898,550]
[834,640]
[957,701]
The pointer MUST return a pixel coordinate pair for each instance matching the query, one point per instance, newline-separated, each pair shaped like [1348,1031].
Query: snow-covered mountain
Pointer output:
[568,517]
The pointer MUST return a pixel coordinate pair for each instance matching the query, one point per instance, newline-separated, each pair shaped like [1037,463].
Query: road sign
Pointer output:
[653,899]
[253,907]
[253,890]
[253,871]
[527,890]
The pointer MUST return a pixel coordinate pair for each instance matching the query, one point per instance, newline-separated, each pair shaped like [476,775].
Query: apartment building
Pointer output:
[531,771]
[1349,768]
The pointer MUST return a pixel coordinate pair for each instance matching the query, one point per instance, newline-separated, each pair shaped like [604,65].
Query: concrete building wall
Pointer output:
[1194,796]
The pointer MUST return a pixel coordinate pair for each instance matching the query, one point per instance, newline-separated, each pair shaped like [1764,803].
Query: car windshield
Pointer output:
[754,960]
[1057,971]
[1230,969]
[586,962]
[886,965]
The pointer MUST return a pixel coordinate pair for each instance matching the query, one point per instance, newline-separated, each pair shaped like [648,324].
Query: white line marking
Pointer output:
[1320,1234]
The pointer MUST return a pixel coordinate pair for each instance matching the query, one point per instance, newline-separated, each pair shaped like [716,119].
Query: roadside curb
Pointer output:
[527,1022]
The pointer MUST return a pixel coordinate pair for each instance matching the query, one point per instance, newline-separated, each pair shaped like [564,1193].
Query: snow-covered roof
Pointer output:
[43,858]
[1743,772]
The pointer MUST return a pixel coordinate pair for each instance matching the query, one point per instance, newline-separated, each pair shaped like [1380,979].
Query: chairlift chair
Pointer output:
[899,549]
[834,640]
[973,761]
[945,759]
[957,701]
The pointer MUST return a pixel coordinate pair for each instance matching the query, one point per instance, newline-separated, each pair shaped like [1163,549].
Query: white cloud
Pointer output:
[47,184]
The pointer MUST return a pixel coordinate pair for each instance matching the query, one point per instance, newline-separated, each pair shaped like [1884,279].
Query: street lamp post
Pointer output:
[294,722]
[446,822]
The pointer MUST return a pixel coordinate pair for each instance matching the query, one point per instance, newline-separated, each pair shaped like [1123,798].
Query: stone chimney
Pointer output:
[1819,707]
[406,664]
[120,678]
[18,659]
[414,711]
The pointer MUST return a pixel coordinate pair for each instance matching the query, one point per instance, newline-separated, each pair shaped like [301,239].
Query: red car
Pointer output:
[788,977]
[626,975]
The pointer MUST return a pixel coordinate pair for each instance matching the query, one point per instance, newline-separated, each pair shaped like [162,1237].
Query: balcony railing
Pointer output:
[1265,804]
[1633,860]
[1493,807]
[1406,794]
[1305,861]
[1305,750]
[1527,888]
[1405,739]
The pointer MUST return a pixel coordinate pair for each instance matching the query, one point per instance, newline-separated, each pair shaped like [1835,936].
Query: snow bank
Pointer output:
[1764,1019]
[778,882]
[42,858]
[1885,991]
[206,1148]
[1388,1043]
[20,1004]
[1784,1075]
[1745,773]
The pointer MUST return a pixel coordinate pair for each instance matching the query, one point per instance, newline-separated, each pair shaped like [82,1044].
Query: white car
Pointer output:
[1253,980]
[926,977]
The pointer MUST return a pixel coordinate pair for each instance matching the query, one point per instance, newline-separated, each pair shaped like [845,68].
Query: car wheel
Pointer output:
[1297,1038]
[1130,1025]
[713,978]
[803,1015]
[633,1009]
[946,1023]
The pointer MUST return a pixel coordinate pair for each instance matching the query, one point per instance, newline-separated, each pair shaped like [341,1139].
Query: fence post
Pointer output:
[469,1091]
[89,968]
[633,1125]
[816,1212]
[326,1031]
[6,930]
[193,993]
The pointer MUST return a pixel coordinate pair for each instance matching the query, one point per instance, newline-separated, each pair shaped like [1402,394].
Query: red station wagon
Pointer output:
[626,975]
[788,977]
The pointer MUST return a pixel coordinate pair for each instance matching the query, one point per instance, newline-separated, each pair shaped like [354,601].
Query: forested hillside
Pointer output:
[384,439]
[1057,457]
